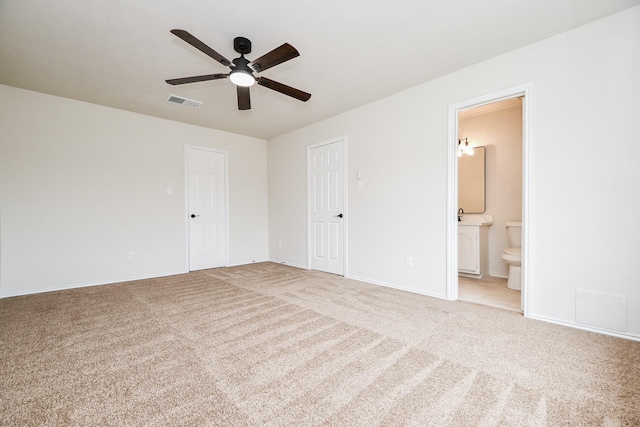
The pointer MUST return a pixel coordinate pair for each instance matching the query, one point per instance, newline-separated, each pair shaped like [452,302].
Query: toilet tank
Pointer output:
[514,234]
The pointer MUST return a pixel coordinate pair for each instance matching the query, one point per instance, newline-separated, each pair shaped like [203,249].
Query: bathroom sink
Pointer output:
[475,219]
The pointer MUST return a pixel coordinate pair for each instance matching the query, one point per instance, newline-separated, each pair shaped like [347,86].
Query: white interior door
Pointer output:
[206,208]
[327,207]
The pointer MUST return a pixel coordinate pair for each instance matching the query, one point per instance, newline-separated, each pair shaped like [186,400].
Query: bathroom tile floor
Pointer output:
[491,291]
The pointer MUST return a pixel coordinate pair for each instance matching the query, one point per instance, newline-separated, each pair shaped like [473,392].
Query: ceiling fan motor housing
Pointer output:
[242,64]
[242,45]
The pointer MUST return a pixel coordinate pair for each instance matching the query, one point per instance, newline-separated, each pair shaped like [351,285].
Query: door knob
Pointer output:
[194,215]
[338,216]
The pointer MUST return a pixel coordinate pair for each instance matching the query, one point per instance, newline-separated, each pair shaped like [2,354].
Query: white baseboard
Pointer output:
[253,261]
[629,336]
[632,337]
[277,261]
[400,288]
[86,285]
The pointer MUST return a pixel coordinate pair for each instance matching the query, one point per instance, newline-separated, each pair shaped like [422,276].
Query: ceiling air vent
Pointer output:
[174,99]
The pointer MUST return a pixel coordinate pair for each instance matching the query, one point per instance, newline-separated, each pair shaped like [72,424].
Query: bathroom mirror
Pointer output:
[472,181]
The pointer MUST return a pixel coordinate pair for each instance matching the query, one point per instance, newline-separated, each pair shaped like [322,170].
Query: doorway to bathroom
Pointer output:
[486,197]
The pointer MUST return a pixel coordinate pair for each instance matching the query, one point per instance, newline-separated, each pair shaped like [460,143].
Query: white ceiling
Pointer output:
[119,52]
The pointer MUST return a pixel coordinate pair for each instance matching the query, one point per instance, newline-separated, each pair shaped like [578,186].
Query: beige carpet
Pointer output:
[267,344]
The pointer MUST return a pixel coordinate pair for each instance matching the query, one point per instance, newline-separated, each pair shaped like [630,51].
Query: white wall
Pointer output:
[81,185]
[584,178]
[500,132]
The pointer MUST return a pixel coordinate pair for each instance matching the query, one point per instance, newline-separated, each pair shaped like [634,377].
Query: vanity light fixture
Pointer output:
[464,150]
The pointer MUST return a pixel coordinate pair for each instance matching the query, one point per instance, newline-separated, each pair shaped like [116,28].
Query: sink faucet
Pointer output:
[460,212]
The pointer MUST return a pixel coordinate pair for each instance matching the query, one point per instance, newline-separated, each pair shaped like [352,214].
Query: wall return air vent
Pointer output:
[174,99]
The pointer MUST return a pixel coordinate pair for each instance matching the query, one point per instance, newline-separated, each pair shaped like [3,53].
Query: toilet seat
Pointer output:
[513,251]
[513,256]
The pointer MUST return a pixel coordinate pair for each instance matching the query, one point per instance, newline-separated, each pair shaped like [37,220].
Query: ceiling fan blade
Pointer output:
[193,41]
[244,99]
[276,56]
[282,88]
[194,79]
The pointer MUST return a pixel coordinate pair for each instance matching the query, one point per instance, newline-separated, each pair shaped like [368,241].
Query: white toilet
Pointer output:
[513,254]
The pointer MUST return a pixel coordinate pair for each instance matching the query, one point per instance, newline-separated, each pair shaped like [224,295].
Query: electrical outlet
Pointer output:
[409,262]
[280,244]
[131,255]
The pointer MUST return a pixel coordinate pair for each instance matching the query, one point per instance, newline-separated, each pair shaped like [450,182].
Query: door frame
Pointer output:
[452,186]
[188,147]
[345,244]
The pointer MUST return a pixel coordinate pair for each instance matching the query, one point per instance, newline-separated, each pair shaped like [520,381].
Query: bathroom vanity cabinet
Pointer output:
[473,250]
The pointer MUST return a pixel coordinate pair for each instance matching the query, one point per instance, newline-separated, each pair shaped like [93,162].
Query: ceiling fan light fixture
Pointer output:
[241,73]
[242,78]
